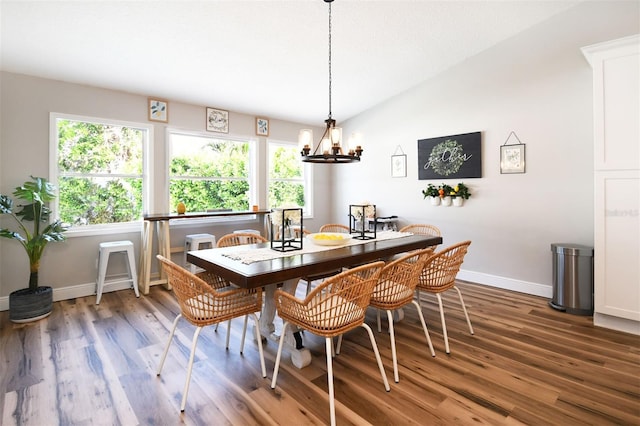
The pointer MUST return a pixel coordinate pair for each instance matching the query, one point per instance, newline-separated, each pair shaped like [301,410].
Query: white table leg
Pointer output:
[300,356]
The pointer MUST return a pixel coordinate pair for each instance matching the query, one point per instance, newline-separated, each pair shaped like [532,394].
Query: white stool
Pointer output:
[124,247]
[195,242]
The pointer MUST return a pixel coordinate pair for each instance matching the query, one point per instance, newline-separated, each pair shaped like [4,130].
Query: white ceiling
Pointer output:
[265,58]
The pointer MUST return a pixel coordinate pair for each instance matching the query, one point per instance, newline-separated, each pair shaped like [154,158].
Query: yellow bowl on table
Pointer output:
[329,238]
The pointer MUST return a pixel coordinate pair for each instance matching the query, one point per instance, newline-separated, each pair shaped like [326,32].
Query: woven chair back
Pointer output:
[240,238]
[201,304]
[398,280]
[423,229]
[335,306]
[334,227]
[441,269]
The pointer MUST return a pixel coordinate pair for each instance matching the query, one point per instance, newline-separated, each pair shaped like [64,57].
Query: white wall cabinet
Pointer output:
[616,92]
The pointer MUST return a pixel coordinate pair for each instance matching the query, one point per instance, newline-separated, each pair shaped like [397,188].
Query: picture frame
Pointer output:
[512,159]
[217,120]
[262,126]
[399,165]
[158,109]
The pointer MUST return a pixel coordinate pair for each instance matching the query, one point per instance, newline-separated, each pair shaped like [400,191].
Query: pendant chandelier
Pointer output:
[329,147]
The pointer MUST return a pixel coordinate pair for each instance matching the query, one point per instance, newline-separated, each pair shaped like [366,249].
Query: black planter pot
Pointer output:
[27,306]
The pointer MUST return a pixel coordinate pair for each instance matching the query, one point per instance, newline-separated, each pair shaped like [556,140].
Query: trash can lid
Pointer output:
[572,249]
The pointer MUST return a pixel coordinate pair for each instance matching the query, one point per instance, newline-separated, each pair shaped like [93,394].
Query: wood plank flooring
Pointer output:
[526,364]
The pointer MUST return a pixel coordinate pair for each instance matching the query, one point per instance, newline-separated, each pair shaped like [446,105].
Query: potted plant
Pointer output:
[433,193]
[460,193]
[34,302]
[445,193]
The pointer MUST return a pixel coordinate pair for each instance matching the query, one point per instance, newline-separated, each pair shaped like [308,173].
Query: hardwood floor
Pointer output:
[526,364]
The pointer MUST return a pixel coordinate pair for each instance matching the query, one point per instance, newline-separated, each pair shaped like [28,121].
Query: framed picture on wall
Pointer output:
[398,166]
[450,157]
[158,109]
[512,158]
[262,126]
[217,120]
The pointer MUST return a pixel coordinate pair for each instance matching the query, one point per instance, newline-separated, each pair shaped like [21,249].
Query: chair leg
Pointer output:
[102,271]
[132,272]
[244,333]
[339,345]
[444,324]
[378,316]
[332,402]
[228,333]
[424,327]
[279,355]
[464,309]
[259,340]
[190,368]
[377,353]
[166,349]
[394,355]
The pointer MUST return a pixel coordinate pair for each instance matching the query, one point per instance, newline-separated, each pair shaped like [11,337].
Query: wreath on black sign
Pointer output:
[446,157]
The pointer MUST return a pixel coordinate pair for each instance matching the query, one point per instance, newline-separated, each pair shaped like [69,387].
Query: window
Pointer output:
[99,170]
[289,182]
[210,172]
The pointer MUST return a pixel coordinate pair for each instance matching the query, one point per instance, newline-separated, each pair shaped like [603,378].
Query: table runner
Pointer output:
[248,256]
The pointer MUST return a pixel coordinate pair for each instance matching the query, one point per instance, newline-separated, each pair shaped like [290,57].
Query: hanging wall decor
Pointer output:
[262,126]
[158,110]
[450,157]
[217,120]
[512,156]
[399,163]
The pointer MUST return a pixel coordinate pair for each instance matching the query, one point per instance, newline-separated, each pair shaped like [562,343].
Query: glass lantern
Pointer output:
[286,229]
[360,218]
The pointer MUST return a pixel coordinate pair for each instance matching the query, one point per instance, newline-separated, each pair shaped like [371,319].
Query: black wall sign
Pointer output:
[449,157]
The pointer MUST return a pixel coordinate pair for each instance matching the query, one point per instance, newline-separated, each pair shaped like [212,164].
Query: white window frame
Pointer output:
[252,178]
[147,173]
[306,177]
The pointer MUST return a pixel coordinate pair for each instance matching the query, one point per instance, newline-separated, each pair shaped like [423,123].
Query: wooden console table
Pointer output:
[164,245]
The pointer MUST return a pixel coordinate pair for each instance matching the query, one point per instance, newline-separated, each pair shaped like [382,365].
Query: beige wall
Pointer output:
[70,267]
[536,84]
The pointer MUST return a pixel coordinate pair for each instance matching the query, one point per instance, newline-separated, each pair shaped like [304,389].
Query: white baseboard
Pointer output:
[82,290]
[535,289]
[615,323]
[72,292]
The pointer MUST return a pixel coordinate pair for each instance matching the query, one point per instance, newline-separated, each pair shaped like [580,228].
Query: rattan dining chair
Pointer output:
[240,238]
[395,289]
[334,307]
[439,275]
[236,239]
[334,227]
[201,304]
[422,229]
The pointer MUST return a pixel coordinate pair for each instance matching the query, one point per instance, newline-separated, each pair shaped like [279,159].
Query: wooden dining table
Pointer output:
[288,268]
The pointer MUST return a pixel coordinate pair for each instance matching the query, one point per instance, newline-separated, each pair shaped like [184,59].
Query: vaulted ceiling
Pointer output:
[258,57]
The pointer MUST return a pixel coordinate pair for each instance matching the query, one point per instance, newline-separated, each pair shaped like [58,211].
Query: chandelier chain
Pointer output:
[329,60]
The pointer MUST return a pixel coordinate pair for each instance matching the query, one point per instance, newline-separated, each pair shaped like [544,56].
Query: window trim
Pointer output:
[147,173]
[306,177]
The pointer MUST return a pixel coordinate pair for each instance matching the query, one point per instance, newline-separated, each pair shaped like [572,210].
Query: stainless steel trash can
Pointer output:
[572,278]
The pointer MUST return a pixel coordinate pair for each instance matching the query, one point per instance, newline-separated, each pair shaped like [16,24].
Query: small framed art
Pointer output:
[512,158]
[217,120]
[399,165]
[158,110]
[262,126]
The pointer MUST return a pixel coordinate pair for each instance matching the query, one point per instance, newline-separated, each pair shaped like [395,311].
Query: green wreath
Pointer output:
[446,157]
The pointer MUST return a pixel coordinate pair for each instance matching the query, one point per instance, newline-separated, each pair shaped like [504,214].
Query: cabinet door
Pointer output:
[617,244]
[616,93]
